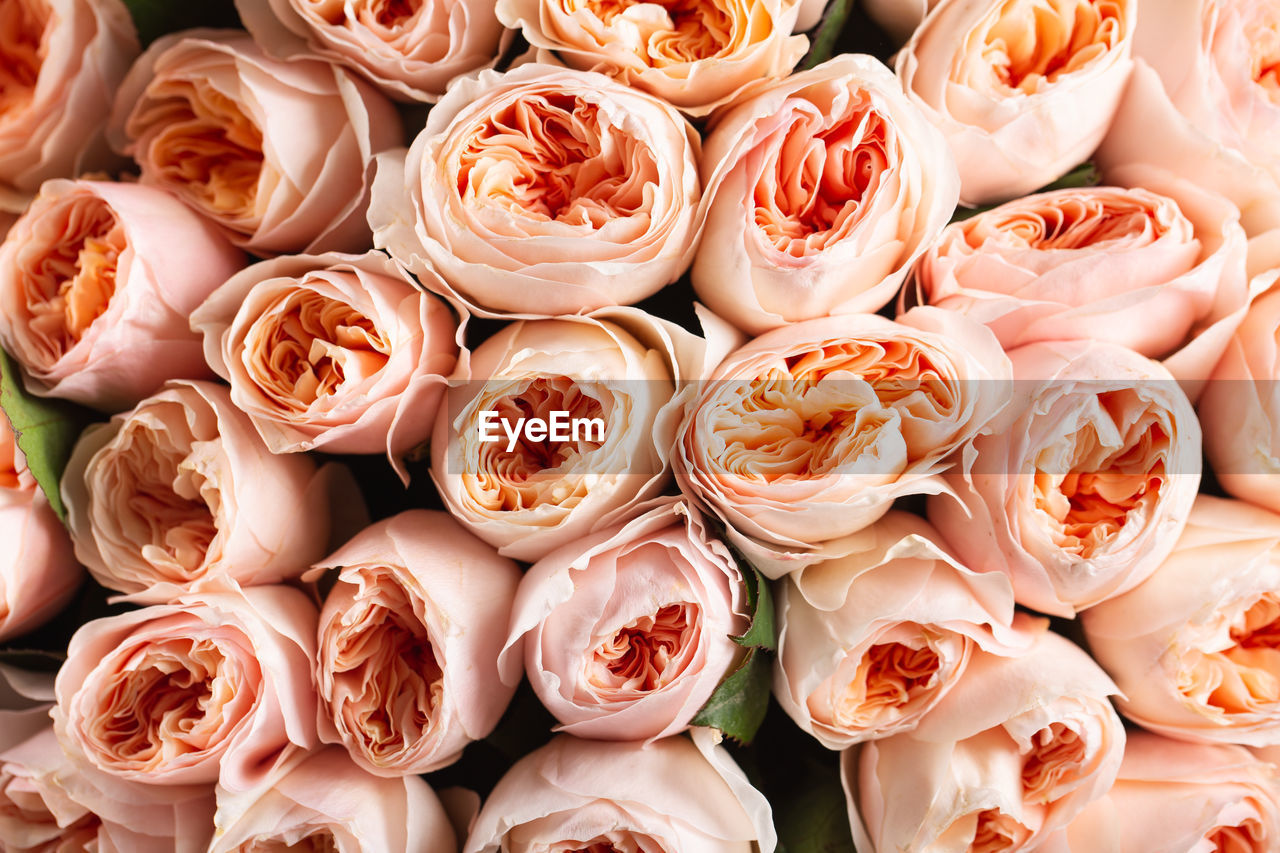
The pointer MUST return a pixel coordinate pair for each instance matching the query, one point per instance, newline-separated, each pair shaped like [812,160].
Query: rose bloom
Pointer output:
[697,56]
[324,802]
[1079,491]
[808,433]
[821,190]
[97,280]
[669,795]
[1015,751]
[276,153]
[1194,647]
[871,642]
[408,669]
[1024,90]
[618,367]
[179,493]
[336,352]
[212,687]
[543,191]
[627,632]
[63,58]
[409,50]
[1157,266]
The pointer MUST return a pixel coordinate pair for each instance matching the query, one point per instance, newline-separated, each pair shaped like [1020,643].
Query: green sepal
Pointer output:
[739,704]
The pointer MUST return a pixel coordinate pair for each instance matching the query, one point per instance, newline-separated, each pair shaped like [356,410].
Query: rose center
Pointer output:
[667,31]
[1264,53]
[998,832]
[1032,43]
[23,23]
[320,841]
[889,677]
[1057,753]
[646,654]
[1247,837]
[1247,674]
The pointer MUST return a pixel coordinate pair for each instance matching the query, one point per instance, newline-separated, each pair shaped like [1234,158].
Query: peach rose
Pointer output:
[899,18]
[336,352]
[409,50]
[627,632]
[871,642]
[213,687]
[671,794]
[808,433]
[821,190]
[179,493]
[1194,647]
[1017,749]
[615,375]
[324,802]
[697,56]
[279,154]
[1024,90]
[1157,265]
[63,61]
[543,191]
[96,282]
[408,668]
[1079,491]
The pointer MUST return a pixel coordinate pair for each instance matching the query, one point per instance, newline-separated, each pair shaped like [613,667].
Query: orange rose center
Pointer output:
[23,24]
[1067,221]
[1247,674]
[889,676]
[320,841]
[372,14]
[1248,837]
[1033,43]
[646,654]
[668,31]
[998,832]
[1057,755]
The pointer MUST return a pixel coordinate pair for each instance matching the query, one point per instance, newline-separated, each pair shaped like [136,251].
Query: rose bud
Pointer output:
[1079,491]
[180,494]
[671,794]
[336,352]
[97,280]
[1193,648]
[697,57]
[871,642]
[277,153]
[627,632]
[63,58]
[543,191]
[213,687]
[821,190]
[808,433]
[408,669]
[410,50]
[1023,90]
[1017,749]
[565,426]
[322,801]
[1159,268]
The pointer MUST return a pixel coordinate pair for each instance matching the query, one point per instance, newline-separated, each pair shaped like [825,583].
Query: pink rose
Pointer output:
[627,632]
[821,190]
[96,282]
[279,154]
[543,191]
[1023,90]
[870,643]
[179,493]
[336,352]
[408,668]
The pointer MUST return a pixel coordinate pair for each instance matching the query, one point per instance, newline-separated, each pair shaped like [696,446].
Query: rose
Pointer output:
[899,18]
[1193,646]
[96,282]
[340,352]
[276,153]
[615,374]
[179,493]
[1023,89]
[671,794]
[544,191]
[1015,751]
[695,56]
[821,190]
[1157,265]
[1080,489]
[408,669]
[324,802]
[808,433]
[64,58]
[213,687]
[627,632]
[870,643]
[410,51]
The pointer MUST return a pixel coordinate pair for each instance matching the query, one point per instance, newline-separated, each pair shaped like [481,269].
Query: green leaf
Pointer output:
[46,429]
[155,18]
[826,34]
[814,817]
[739,704]
[760,601]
